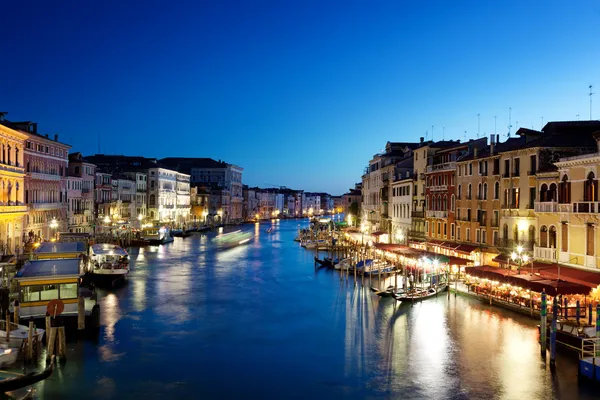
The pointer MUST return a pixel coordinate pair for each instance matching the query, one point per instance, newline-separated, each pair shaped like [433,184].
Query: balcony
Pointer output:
[545,253]
[586,207]
[12,168]
[417,214]
[565,207]
[43,176]
[436,214]
[545,207]
[510,207]
[46,206]
[439,188]
[13,209]
[442,167]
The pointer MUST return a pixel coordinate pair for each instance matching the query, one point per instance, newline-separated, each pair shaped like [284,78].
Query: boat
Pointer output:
[378,268]
[18,333]
[8,355]
[40,281]
[389,292]
[327,262]
[181,233]
[420,294]
[571,335]
[21,381]
[108,263]
[320,244]
[232,239]
[157,235]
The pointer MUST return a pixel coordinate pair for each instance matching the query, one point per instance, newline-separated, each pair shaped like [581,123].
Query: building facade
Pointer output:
[80,189]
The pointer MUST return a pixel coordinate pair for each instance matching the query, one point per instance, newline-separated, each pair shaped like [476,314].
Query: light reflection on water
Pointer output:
[258,320]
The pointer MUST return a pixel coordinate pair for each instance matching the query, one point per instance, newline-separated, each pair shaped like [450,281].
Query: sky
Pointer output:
[299,93]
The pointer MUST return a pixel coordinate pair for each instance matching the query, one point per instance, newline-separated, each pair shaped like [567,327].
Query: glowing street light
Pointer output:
[54,224]
[107,219]
[520,258]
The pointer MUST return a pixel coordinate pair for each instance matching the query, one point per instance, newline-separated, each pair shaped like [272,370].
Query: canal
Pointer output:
[257,321]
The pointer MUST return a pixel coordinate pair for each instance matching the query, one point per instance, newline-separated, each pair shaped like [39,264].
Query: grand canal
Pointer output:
[258,321]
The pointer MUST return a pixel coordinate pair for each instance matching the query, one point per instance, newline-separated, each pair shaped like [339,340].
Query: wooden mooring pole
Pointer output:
[16,312]
[81,314]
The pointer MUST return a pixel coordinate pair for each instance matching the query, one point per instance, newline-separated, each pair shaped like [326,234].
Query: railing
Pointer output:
[13,209]
[44,176]
[546,206]
[545,253]
[12,168]
[565,207]
[436,214]
[417,214]
[439,188]
[46,206]
[509,206]
[586,207]
[441,167]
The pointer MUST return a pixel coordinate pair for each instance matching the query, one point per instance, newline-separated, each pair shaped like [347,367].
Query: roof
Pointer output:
[120,163]
[40,268]
[187,163]
[60,247]
[110,249]
[30,128]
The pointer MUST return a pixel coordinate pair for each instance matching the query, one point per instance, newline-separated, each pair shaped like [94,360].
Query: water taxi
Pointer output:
[232,239]
[108,263]
[157,235]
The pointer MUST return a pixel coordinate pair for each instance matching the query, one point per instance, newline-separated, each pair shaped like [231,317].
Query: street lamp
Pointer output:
[400,236]
[349,219]
[521,258]
[54,224]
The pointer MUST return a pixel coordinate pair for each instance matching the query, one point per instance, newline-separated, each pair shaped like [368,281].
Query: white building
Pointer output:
[162,195]
[311,204]
[183,206]
[141,187]
[402,195]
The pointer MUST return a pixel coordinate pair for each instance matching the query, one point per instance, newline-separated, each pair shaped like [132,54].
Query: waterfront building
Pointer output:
[522,159]
[250,202]
[353,196]
[140,177]
[46,172]
[206,171]
[183,206]
[401,208]
[122,207]
[199,202]
[80,194]
[12,177]
[102,199]
[163,195]
[376,185]
[311,204]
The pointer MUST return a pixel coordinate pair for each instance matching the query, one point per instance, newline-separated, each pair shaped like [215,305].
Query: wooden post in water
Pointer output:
[62,343]
[47,333]
[543,326]
[30,342]
[16,312]
[81,314]
[553,333]
[51,342]
[7,327]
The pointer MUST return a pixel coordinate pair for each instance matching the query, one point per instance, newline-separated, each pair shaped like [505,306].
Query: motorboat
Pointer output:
[18,334]
[108,263]
[157,235]
[232,239]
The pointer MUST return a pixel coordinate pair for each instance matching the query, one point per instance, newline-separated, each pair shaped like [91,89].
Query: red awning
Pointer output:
[378,233]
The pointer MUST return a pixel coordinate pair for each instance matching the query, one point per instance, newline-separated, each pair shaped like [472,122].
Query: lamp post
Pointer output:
[520,258]
[363,228]
[54,225]
[141,219]
[400,236]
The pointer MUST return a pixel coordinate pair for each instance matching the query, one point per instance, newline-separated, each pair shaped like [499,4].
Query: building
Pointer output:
[250,206]
[102,199]
[162,195]
[46,171]
[80,194]
[351,201]
[199,202]
[12,178]
[123,207]
[311,204]
[140,177]
[183,206]
[401,209]
[206,171]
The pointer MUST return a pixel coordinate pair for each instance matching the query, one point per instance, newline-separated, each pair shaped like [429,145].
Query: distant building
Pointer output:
[80,194]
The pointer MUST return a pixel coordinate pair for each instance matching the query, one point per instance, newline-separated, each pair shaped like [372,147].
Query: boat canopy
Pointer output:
[108,249]
[49,268]
[56,248]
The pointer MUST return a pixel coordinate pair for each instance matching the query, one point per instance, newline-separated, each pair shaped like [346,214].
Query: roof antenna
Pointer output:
[443,133]
[431,132]
[591,102]
[494,124]
[509,125]
[542,127]
[465,137]
[478,125]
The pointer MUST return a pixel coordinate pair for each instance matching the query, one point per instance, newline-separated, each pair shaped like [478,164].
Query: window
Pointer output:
[496,190]
[483,238]
[439,228]
[468,237]
[452,229]
[470,168]
[589,239]
[565,237]
[469,192]
[458,214]
[531,197]
[517,167]
[496,166]
[506,168]
[485,191]
[459,191]
[468,214]
[532,165]
[458,233]
[495,238]
[445,229]
[496,220]
[477,236]
[452,203]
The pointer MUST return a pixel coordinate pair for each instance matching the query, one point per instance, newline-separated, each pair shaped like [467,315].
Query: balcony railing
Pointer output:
[442,167]
[46,206]
[13,209]
[417,214]
[510,206]
[546,206]
[544,253]
[436,214]
[565,207]
[439,188]
[44,176]
[12,168]
[591,207]
[516,174]
[494,223]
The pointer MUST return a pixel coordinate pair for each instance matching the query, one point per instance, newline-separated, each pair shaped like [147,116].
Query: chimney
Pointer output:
[498,139]
[56,137]
[33,127]
[492,144]
[475,151]
[422,139]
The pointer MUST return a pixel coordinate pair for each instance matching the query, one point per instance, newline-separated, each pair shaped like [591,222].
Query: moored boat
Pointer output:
[18,333]
[157,235]
[19,381]
[420,294]
[108,263]
[327,262]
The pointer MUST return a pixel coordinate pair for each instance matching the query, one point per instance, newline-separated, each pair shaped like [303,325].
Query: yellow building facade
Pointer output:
[12,175]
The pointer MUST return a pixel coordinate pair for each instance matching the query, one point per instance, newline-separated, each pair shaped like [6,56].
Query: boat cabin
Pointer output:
[43,280]
[108,256]
[155,233]
[56,250]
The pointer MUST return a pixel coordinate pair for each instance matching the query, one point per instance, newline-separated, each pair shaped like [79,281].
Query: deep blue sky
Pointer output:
[299,93]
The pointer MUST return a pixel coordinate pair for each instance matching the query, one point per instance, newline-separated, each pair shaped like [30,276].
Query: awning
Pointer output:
[378,233]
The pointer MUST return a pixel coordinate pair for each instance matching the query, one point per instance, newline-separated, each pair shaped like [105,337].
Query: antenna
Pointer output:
[478,125]
[443,132]
[494,124]
[577,117]
[465,137]
[426,133]
[509,125]
[591,102]
[431,132]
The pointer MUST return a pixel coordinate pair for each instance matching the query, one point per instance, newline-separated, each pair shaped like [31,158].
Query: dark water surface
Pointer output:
[257,321]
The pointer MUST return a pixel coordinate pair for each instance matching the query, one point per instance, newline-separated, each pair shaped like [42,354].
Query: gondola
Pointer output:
[420,294]
[19,382]
[326,262]
[389,292]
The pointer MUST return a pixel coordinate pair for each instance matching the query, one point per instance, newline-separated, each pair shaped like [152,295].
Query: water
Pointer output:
[257,321]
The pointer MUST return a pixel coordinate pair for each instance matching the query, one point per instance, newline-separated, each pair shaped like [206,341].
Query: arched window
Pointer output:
[565,190]
[590,188]
[485,191]
[469,192]
[543,236]
[544,193]
[552,237]
[427,203]
[531,236]
[439,202]
[459,191]
[496,190]
[479,194]
[445,203]
[452,201]
[552,195]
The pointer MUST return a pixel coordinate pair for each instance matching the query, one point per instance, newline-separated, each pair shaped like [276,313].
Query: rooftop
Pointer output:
[41,268]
